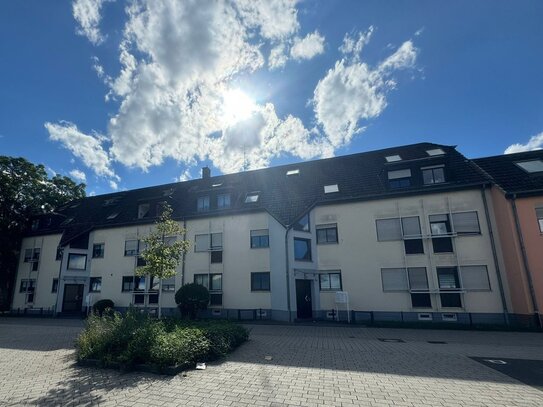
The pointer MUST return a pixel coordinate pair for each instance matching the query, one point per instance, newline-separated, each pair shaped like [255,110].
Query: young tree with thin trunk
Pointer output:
[161,255]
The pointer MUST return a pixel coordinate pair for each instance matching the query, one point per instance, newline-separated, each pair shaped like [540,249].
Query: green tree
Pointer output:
[162,256]
[191,298]
[25,191]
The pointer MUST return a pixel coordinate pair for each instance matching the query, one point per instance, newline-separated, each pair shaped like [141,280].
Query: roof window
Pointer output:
[328,189]
[435,151]
[143,210]
[111,201]
[67,221]
[113,215]
[216,185]
[252,197]
[393,158]
[295,171]
[531,166]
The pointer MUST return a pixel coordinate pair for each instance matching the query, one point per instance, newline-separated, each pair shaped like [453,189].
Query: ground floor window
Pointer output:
[330,281]
[448,281]
[95,284]
[260,281]
[54,287]
[27,287]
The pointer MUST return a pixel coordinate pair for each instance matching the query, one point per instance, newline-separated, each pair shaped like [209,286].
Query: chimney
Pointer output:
[206,172]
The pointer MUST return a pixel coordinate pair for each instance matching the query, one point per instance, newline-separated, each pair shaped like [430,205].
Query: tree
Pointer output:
[161,256]
[25,191]
[191,298]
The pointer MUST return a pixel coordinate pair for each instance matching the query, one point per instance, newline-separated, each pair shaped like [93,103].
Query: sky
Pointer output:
[128,94]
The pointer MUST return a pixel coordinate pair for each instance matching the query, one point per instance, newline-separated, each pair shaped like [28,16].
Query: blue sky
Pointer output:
[131,94]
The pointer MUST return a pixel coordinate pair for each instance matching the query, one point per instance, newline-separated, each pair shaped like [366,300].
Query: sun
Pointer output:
[237,106]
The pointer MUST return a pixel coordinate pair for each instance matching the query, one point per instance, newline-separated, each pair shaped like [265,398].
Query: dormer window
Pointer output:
[143,210]
[223,201]
[329,189]
[399,178]
[35,224]
[393,158]
[295,171]
[203,204]
[435,151]
[433,175]
[531,166]
[252,197]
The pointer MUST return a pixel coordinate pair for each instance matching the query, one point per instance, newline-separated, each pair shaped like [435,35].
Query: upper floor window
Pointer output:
[399,178]
[143,210]
[531,166]
[327,233]
[131,247]
[260,238]
[302,224]
[168,284]
[466,223]
[203,204]
[440,226]
[412,235]
[77,261]
[433,175]
[98,250]
[223,201]
[302,249]
[539,215]
[475,278]
[448,281]
[201,243]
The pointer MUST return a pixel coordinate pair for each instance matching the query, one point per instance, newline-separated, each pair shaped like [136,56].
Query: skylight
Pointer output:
[252,197]
[113,215]
[66,221]
[435,151]
[328,189]
[393,158]
[295,171]
[531,166]
[216,185]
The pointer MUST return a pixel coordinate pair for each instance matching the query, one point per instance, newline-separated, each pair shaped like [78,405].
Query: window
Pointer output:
[59,253]
[67,221]
[394,279]
[98,250]
[143,210]
[168,284]
[399,178]
[27,286]
[440,226]
[223,201]
[216,282]
[302,249]
[388,229]
[128,283]
[435,151]
[539,215]
[35,224]
[140,262]
[54,287]
[28,255]
[202,279]
[260,281]
[215,299]
[36,254]
[216,241]
[330,281]
[330,189]
[531,166]
[155,284]
[302,224]
[412,235]
[131,247]
[201,243]
[260,238]
[203,204]
[393,158]
[293,172]
[252,197]
[160,208]
[418,286]
[434,175]
[448,281]
[170,240]
[216,256]
[475,278]
[139,283]
[466,223]
[327,233]
[77,261]
[95,285]
[421,300]
[112,215]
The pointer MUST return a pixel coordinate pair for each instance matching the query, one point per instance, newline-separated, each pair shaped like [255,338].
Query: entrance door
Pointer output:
[303,299]
[73,298]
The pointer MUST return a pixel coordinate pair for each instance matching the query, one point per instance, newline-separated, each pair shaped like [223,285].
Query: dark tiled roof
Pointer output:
[509,176]
[358,176]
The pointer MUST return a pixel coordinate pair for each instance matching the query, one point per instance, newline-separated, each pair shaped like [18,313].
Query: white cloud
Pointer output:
[86,147]
[278,57]
[113,185]
[87,14]
[352,91]
[78,175]
[274,20]
[307,47]
[353,46]
[185,176]
[535,143]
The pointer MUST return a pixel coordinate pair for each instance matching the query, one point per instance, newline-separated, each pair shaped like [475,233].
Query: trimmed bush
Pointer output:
[101,305]
[191,298]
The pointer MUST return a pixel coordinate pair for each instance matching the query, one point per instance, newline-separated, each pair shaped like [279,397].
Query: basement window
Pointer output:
[393,158]
[531,166]
[329,189]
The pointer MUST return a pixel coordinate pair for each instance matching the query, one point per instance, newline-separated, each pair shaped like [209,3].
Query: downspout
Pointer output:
[184,253]
[287,274]
[525,257]
[58,281]
[495,255]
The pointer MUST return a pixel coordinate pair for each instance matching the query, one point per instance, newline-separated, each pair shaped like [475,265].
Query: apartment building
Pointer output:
[402,234]
[517,196]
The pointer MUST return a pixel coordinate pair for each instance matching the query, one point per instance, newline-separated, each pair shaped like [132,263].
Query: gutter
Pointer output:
[495,255]
[524,256]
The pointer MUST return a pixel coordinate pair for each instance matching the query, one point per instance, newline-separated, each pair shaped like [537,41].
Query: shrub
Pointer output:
[101,305]
[191,298]
[183,346]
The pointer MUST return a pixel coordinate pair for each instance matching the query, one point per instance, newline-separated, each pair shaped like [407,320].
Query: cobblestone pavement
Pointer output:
[310,365]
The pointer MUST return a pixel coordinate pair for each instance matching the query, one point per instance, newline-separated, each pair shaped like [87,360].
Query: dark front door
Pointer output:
[73,298]
[303,298]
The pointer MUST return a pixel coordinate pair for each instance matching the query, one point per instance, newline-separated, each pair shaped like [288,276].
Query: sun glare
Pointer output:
[237,106]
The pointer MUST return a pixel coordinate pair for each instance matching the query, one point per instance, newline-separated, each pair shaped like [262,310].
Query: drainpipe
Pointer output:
[287,274]
[495,255]
[184,253]
[525,258]
[58,282]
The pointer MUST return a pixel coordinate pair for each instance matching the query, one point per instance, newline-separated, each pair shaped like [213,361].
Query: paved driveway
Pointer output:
[310,365]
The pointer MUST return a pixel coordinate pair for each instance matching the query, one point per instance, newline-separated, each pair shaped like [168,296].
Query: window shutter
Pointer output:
[399,174]
[447,277]
[216,240]
[394,279]
[259,232]
[466,222]
[417,278]
[201,243]
[475,278]
[388,229]
[411,226]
